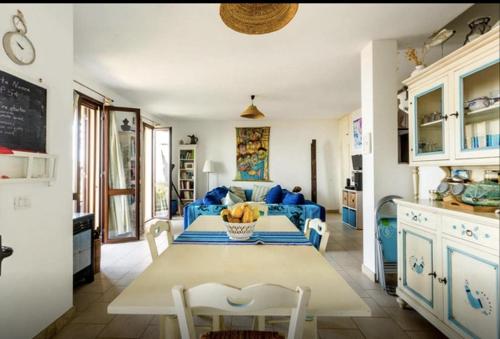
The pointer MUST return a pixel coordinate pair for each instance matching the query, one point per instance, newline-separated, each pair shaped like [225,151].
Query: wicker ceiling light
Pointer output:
[252,112]
[257,18]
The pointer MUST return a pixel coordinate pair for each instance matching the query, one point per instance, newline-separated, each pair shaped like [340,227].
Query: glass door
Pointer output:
[430,122]
[162,171]
[122,174]
[478,109]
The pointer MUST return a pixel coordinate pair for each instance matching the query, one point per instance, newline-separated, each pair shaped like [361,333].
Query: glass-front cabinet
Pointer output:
[429,112]
[478,107]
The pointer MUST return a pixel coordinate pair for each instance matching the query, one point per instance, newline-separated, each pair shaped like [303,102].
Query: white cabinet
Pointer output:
[455,107]
[448,268]
[471,294]
[417,266]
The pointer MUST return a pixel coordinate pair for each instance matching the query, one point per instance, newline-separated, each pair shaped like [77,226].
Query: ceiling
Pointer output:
[180,60]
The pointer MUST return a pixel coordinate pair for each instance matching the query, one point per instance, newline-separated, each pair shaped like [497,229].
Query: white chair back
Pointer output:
[321,228]
[250,300]
[154,232]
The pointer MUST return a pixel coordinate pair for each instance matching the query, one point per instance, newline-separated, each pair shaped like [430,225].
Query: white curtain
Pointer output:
[119,209]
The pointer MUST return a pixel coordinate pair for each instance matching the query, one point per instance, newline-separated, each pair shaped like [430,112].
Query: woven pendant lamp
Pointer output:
[257,18]
[252,112]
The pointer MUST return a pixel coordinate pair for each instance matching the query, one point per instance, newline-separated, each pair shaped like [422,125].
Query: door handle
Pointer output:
[443,280]
[454,114]
[5,252]
[433,274]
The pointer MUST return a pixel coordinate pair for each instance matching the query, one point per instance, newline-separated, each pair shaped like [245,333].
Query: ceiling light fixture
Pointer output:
[257,18]
[252,112]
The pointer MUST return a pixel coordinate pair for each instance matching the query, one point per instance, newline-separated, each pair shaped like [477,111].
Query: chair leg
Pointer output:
[217,323]
[169,327]
[261,323]
[311,328]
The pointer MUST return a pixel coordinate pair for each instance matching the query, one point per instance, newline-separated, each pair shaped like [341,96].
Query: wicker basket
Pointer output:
[240,231]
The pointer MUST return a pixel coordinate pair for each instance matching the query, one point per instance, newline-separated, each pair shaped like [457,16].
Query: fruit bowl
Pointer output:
[239,231]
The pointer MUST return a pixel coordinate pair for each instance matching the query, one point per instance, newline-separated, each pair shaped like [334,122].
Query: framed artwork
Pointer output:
[357,134]
[252,153]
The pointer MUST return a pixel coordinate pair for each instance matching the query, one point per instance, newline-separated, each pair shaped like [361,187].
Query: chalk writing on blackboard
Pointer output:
[23,114]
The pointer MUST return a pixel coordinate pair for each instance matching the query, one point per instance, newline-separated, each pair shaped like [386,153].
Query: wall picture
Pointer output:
[357,134]
[252,153]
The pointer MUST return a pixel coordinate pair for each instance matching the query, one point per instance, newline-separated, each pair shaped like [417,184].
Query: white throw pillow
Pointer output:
[240,192]
[259,192]
[230,199]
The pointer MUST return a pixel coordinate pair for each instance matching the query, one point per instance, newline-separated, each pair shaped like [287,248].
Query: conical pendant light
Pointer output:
[252,112]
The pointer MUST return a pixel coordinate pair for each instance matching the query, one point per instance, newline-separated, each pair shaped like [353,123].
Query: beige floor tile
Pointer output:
[336,323]
[80,331]
[382,298]
[380,328]
[408,319]
[96,313]
[111,294]
[340,334]
[151,332]
[82,300]
[377,311]
[97,286]
[126,326]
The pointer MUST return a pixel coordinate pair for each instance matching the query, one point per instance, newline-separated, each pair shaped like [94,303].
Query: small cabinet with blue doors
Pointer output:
[352,208]
[454,106]
[448,268]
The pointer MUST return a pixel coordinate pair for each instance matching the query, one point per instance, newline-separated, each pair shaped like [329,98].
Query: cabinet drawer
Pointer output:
[470,231]
[416,217]
[352,200]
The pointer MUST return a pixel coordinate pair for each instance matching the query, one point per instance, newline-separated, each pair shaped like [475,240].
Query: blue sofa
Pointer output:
[296,213]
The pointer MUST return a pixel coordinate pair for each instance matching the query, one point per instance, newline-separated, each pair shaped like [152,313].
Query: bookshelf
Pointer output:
[187,173]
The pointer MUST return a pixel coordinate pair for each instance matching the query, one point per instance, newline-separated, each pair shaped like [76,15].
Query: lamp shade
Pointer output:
[208,166]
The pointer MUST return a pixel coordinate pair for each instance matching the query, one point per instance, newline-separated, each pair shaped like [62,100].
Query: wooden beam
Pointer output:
[314,189]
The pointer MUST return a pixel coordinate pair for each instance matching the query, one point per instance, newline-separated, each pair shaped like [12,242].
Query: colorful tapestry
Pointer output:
[252,153]
[357,133]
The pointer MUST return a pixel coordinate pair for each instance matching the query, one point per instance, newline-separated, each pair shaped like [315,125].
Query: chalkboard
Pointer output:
[23,114]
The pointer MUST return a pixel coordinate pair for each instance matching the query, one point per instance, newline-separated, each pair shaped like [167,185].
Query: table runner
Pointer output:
[257,238]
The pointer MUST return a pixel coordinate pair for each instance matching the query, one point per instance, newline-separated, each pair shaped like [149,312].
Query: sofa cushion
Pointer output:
[230,199]
[211,199]
[293,199]
[240,192]
[275,195]
[259,193]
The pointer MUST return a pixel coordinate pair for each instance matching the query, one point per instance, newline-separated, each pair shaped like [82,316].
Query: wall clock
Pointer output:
[16,44]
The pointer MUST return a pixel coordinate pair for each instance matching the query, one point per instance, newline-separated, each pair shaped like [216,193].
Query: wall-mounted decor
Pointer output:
[357,134]
[16,44]
[23,114]
[252,153]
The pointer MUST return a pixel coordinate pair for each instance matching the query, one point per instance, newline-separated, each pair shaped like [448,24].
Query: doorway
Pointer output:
[121,174]
[157,172]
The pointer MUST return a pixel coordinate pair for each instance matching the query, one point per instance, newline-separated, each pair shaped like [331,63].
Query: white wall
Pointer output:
[290,159]
[36,282]
[382,175]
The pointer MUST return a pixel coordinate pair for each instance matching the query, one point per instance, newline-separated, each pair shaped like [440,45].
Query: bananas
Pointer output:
[241,213]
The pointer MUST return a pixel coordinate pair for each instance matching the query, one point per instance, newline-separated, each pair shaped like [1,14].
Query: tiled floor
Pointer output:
[121,263]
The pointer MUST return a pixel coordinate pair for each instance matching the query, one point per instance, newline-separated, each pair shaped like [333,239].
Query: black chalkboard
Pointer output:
[23,114]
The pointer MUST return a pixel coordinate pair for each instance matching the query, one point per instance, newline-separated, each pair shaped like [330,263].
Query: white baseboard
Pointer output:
[366,271]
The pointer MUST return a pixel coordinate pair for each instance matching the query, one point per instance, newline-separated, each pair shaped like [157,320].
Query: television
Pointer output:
[357,162]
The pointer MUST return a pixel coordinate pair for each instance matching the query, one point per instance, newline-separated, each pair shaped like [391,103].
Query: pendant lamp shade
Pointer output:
[257,18]
[252,112]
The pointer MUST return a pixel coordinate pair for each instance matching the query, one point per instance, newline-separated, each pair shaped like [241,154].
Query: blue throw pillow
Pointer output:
[274,196]
[211,199]
[293,199]
[220,192]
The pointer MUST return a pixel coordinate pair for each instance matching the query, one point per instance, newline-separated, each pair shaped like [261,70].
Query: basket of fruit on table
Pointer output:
[240,220]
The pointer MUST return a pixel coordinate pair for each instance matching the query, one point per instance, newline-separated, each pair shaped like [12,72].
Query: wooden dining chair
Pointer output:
[246,301]
[154,232]
[317,232]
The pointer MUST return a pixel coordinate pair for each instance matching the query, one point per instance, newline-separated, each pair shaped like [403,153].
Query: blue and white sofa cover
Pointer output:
[296,213]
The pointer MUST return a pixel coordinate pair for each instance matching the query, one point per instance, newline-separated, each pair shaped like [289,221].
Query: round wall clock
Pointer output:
[17,45]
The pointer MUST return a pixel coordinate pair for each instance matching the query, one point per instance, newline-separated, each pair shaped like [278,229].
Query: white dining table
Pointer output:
[238,265]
